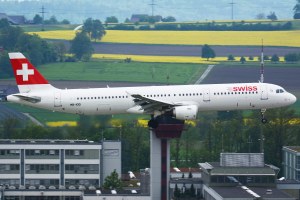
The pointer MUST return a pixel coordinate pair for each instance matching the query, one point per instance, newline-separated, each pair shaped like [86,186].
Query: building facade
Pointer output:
[243,176]
[57,164]
[290,182]
[291,162]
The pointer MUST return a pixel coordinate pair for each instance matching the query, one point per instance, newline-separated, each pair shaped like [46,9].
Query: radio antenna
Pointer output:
[262,63]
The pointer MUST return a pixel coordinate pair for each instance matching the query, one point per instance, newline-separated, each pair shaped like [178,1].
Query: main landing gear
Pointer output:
[263,119]
[153,123]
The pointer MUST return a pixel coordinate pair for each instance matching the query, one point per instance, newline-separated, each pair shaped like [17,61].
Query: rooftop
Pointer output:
[293,148]
[216,169]
[251,192]
[184,170]
[45,141]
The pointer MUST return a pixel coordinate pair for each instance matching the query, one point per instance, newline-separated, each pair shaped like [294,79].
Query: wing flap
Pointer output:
[149,105]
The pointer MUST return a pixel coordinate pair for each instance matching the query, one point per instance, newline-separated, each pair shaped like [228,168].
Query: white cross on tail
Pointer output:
[25,72]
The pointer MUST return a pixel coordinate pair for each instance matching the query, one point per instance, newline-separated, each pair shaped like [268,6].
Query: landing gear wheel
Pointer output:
[264,120]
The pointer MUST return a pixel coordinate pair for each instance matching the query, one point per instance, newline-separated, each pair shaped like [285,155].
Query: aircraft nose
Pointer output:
[293,98]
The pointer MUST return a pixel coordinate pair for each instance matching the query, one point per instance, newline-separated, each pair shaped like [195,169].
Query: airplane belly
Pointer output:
[103,109]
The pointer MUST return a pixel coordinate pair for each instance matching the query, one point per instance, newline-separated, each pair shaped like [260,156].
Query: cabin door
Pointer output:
[264,92]
[57,99]
[206,95]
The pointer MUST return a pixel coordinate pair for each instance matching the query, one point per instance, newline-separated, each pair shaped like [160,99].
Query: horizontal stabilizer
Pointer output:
[32,99]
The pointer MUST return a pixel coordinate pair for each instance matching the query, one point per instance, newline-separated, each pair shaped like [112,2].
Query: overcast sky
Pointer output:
[183,10]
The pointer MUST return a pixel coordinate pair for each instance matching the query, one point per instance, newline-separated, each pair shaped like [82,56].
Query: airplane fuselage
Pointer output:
[210,97]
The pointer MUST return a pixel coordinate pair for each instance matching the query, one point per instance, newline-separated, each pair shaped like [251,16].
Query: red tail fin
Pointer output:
[25,72]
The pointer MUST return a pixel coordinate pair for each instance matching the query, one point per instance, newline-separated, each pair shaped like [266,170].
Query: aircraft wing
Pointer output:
[32,99]
[150,104]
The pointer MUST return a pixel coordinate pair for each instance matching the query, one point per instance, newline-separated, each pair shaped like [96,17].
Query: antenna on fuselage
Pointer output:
[262,63]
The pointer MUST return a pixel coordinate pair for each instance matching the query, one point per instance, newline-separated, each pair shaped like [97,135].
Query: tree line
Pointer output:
[213,133]
[40,51]
[208,53]
[297,10]
[212,26]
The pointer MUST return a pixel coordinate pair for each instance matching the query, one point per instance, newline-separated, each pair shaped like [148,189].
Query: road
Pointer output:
[185,50]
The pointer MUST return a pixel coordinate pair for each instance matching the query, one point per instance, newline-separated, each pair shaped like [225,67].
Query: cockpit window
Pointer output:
[279,91]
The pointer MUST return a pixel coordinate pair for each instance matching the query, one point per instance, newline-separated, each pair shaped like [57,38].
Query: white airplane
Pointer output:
[181,102]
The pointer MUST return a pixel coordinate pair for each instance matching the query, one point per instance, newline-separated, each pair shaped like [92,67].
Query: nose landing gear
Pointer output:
[263,119]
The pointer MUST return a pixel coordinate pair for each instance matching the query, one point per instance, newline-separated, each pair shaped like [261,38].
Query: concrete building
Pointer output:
[29,165]
[242,176]
[290,182]
[291,163]
[184,178]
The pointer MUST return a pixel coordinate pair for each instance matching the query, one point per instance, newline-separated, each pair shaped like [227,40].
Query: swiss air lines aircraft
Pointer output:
[179,101]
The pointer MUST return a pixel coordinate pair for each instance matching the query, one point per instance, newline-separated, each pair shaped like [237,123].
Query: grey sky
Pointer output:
[190,10]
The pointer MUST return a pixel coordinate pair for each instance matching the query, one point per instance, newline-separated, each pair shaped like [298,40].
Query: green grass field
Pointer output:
[120,71]
[42,115]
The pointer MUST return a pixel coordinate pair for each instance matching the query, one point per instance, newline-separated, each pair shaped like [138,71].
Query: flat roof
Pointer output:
[243,171]
[293,148]
[216,169]
[238,192]
[232,192]
[46,141]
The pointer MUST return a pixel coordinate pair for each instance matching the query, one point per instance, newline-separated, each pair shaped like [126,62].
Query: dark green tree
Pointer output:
[98,30]
[52,20]
[243,60]
[37,19]
[177,192]
[230,57]
[94,29]
[112,181]
[275,58]
[4,23]
[10,127]
[207,52]
[88,26]
[61,50]
[111,19]
[65,21]
[81,46]
[5,68]
[37,50]
[169,19]
[272,16]
[190,175]
[9,37]
[138,157]
[260,16]
[297,10]
[277,133]
[291,57]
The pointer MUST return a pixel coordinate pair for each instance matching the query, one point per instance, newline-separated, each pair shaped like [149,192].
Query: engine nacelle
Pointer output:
[185,112]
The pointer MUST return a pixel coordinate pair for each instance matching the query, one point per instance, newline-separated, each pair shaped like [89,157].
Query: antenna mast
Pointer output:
[232,3]
[152,4]
[43,13]
[262,63]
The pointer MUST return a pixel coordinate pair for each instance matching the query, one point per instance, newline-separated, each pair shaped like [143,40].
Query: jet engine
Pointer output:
[185,112]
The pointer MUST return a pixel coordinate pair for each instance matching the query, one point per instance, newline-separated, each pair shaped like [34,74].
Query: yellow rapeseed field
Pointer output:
[271,38]
[165,59]
[169,59]
[61,123]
